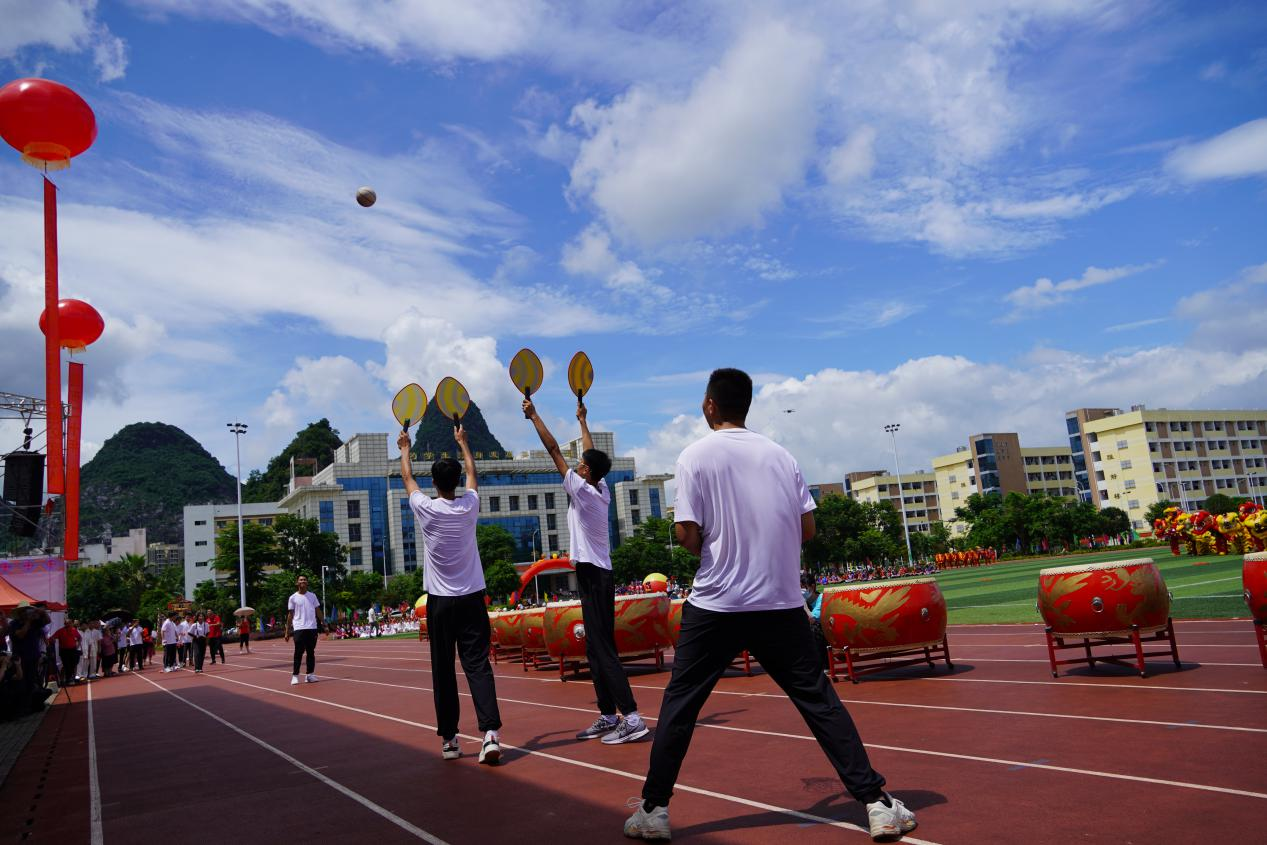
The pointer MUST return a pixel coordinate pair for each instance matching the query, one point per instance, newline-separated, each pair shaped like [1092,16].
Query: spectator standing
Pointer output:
[244,634]
[68,640]
[109,648]
[136,646]
[185,641]
[198,636]
[170,634]
[215,636]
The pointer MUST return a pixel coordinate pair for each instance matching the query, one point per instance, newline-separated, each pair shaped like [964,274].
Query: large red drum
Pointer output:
[883,615]
[507,628]
[533,629]
[1254,578]
[675,620]
[1103,599]
[642,623]
[564,630]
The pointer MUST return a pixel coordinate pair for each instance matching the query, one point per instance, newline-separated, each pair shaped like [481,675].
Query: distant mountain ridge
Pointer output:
[435,434]
[317,442]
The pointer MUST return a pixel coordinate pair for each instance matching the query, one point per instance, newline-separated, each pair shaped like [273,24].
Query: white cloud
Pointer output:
[1045,293]
[660,166]
[68,26]
[1236,153]
[1213,71]
[854,159]
[590,254]
[870,314]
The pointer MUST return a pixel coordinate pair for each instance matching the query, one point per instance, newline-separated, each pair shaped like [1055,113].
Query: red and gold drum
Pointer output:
[507,628]
[882,615]
[642,623]
[1103,599]
[1254,577]
[675,619]
[564,630]
[533,629]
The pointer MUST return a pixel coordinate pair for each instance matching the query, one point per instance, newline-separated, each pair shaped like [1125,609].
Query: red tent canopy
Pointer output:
[11,597]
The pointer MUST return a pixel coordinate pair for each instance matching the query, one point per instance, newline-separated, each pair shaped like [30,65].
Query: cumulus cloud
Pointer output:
[590,254]
[1045,293]
[661,166]
[854,159]
[1234,154]
[67,26]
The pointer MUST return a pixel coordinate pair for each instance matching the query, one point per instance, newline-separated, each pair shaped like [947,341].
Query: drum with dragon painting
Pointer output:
[1103,599]
[884,615]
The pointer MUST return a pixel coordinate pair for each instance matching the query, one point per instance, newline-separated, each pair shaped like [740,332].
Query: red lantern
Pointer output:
[45,121]
[78,324]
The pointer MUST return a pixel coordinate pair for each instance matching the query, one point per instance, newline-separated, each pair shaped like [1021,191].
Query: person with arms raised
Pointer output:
[744,508]
[457,617]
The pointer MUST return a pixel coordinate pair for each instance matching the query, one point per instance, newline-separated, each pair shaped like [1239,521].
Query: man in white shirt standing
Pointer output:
[186,641]
[457,616]
[170,634]
[588,502]
[744,508]
[302,610]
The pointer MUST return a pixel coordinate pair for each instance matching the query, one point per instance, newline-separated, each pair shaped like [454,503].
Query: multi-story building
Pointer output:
[361,497]
[203,523]
[1080,448]
[160,556]
[918,493]
[1140,456]
[831,488]
[997,463]
[1049,471]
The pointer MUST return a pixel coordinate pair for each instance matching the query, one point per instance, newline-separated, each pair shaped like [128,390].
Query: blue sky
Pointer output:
[960,217]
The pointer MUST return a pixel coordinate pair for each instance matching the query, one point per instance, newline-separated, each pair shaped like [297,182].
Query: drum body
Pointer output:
[1254,578]
[533,629]
[564,630]
[883,615]
[507,628]
[675,620]
[642,623]
[1103,599]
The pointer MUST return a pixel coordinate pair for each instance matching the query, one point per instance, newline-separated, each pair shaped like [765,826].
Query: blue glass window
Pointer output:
[325,510]
[654,493]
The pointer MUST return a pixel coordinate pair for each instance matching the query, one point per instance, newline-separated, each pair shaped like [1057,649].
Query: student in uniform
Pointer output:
[198,634]
[744,508]
[588,503]
[303,612]
[136,647]
[457,617]
[170,634]
[185,641]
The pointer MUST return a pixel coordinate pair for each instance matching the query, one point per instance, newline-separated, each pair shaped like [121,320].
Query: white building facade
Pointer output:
[203,523]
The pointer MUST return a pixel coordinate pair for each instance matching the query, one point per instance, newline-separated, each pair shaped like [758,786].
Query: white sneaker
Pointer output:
[310,678]
[491,750]
[294,680]
[644,825]
[451,750]
[165,669]
[888,823]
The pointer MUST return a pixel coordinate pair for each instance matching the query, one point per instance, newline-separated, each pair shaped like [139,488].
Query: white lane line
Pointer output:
[782,697]
[404,825]
[994,760]
[96,836]
[734,799]
[1040,660]
[1178,586]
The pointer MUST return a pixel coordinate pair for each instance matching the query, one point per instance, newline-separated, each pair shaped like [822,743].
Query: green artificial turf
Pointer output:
[1203,587]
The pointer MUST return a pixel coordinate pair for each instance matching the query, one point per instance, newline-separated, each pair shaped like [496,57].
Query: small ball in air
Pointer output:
[366,197]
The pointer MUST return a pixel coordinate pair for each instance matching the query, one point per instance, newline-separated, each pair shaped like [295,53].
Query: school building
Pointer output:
[917,493]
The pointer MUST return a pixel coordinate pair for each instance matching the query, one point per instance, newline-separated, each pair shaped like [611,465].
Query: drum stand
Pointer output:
[1056,642]
[580,662]
[1260,629]
[884,657]
[496,651]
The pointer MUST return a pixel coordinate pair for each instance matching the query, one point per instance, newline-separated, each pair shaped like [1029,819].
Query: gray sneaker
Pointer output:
[889,823]
[626,731]
[451,750]
[602,726]
[644,825]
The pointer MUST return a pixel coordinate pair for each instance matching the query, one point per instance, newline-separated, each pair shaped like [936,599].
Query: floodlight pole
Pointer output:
[901,497]
[238,430]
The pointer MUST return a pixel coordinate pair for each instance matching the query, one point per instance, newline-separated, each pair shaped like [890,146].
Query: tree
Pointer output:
[1157,510]
[1219,503]
[359,590]
[849,531]
[405,588]
[91,591]
[303,548]
[1114,521]
[260,547]
[647,550]
[316,442]
[500,578]
[495,543]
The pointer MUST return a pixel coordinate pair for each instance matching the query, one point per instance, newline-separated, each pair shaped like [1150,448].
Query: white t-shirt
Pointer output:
[184,631]
[136,636]
[304,606]
[747,495]
[169,632]
[451,559]
[198,629]
[587,520]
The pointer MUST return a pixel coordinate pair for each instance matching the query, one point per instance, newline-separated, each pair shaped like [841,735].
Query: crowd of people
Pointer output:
[867,572]
[348,630]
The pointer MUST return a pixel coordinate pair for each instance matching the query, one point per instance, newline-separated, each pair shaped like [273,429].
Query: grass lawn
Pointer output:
[1203,587]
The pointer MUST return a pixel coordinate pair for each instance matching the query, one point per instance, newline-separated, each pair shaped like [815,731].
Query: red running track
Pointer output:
[996,752]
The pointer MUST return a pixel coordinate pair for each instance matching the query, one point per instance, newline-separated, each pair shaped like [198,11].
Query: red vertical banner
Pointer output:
[74,427]
[52,347]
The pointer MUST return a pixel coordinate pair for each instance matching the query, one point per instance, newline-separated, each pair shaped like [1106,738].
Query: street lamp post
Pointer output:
[324,609]
[1253,486]
[901,497]
[238,430]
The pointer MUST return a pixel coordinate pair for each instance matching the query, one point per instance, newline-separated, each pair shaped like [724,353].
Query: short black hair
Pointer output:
[598,462]
[445,474]
[731,389]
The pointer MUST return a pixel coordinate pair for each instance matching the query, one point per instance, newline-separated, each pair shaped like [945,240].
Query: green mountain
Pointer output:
[316,442]
[435,434]
[143,477]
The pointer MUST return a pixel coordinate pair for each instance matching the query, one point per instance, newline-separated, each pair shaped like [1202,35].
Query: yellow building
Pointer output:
[1049,471]
[1141,456]
[918,493]
[1006,466]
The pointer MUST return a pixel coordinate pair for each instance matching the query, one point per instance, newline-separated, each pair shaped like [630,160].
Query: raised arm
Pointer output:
[547,439]
[587,442]
[472,479]
[406,468]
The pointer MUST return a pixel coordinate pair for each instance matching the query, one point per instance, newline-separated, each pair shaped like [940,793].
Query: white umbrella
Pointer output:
[244,611]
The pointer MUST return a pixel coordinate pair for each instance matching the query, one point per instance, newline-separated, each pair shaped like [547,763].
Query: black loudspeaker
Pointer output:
[23,489]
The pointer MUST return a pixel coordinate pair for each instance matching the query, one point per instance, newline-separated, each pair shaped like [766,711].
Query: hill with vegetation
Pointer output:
[435,434]
[143,477]
[317,442]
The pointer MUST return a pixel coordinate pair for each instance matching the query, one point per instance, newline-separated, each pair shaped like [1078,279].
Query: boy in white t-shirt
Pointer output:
[744,508]
[457,614]
[589,500]
[170,635]
[303,619]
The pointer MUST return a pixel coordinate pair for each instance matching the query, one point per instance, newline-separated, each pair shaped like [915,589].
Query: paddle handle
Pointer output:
[527,398]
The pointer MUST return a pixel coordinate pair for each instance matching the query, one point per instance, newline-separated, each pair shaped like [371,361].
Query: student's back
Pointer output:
[451,558]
